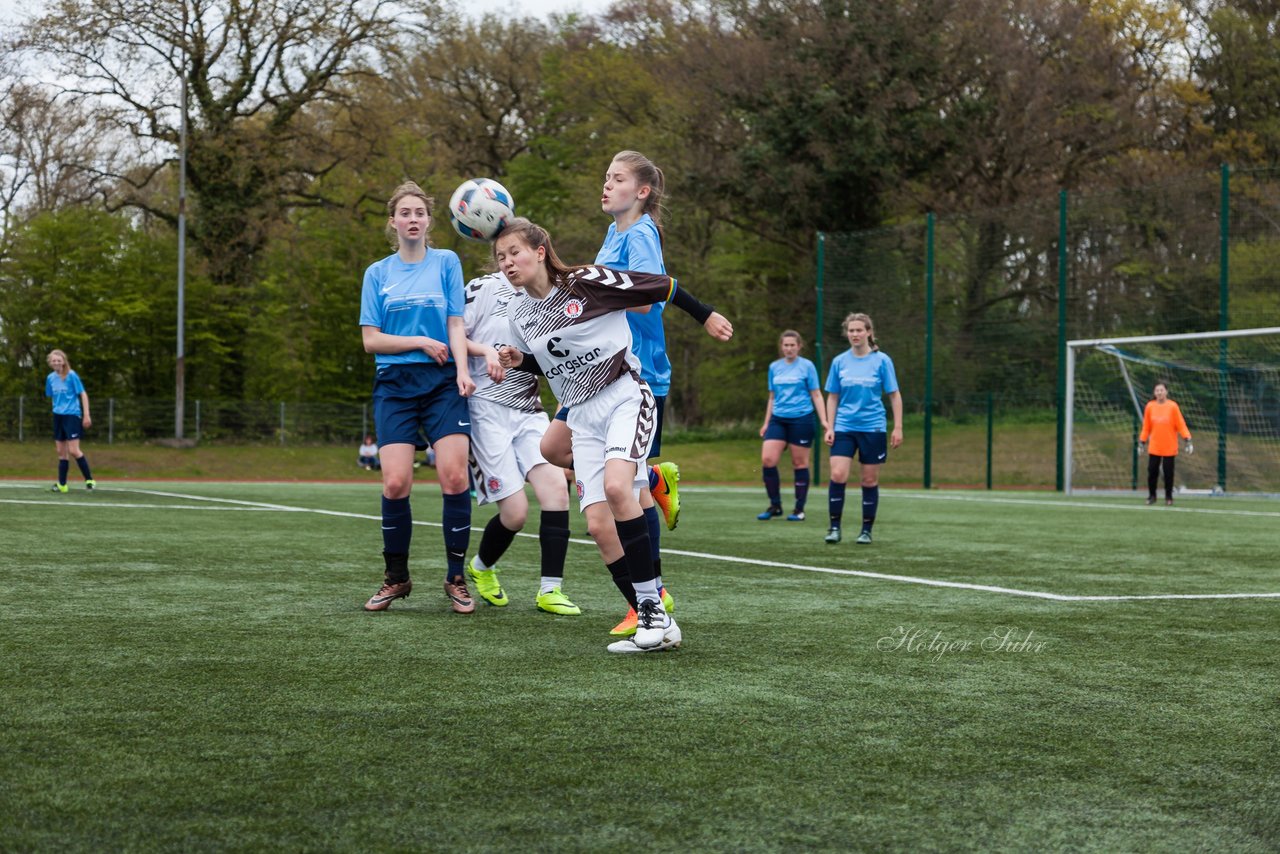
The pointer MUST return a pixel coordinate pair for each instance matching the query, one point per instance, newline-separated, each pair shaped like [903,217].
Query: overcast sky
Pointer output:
[13,10]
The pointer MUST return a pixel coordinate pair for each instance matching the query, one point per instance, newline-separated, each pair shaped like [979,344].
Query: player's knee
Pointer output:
[513,518]
[395,485]
[599,525]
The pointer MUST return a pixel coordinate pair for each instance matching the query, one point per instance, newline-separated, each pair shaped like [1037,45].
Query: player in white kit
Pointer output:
[507,423]
[570,325]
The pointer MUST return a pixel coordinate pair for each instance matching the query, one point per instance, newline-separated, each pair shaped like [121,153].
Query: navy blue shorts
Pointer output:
[414,401]
[793,431]
[656,447]
[67,427]
[871,448]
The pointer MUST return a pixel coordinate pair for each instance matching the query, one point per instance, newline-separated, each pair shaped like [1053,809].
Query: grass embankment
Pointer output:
[1024,456]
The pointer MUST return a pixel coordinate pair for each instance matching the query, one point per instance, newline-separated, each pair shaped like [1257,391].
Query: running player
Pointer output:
[507,423]
[794,397]
[70,418]
[859,378]
[411,313]
[570,325]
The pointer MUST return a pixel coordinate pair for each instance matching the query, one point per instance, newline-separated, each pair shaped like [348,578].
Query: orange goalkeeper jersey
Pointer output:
[1162,423]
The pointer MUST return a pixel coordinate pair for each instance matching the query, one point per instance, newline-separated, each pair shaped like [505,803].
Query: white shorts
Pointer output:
[504,447]
[616,424]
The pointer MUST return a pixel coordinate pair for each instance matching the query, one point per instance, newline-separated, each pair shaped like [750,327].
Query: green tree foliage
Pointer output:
[1240,72]
[771,121]
[91,284]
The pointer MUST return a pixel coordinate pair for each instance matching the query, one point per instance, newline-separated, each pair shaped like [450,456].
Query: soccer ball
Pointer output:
[480,208]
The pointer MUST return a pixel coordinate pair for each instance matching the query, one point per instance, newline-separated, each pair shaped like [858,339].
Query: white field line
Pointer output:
[1085,504]
[239,504]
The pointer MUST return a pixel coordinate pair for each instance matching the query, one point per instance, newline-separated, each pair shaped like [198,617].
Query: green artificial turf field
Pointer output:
[186,666]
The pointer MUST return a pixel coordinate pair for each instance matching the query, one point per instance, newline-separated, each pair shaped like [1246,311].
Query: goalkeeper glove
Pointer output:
[1190,448]
[1142,448]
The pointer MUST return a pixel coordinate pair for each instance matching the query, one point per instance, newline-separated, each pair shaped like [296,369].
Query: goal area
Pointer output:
[1227,385]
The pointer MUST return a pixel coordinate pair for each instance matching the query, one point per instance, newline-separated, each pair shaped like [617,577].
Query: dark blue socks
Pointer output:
[835,502]
[802,488]
[870,501]
[772,486]
[456,518]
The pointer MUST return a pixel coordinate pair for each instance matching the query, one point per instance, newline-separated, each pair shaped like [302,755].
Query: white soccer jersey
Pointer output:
[486,322]
[579,333]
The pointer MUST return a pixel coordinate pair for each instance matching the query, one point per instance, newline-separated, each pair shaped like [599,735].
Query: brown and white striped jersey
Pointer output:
[579,333]
[485,320]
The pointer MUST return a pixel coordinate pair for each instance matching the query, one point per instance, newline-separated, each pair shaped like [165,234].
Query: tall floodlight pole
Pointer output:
[180,368]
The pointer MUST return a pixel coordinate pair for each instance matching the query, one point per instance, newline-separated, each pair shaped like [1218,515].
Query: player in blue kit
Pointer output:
[411,318]
[633,190]
[70,418]
[859,378]
[569,324]
[794,397]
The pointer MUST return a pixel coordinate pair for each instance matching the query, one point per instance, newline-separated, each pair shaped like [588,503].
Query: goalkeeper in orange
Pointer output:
[1162,424]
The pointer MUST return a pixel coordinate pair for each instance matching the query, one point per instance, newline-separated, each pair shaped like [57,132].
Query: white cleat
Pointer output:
[652,621]
[671,639]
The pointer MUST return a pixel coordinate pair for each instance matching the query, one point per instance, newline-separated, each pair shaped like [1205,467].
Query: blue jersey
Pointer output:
[639,249]
[860,382]
[791,384]
[65,392]
[413,299]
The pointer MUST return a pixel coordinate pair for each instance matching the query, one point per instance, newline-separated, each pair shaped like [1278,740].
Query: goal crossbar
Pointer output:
[1073,346]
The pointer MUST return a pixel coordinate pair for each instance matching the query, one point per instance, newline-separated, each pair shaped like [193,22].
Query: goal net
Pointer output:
[1227,385]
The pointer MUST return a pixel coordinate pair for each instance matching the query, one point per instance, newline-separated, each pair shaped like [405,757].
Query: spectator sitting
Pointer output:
[368,458]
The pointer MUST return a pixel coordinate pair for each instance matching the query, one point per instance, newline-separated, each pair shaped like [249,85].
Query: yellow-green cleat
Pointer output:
[668,603]
[487,585]
[555,602]
[667,493]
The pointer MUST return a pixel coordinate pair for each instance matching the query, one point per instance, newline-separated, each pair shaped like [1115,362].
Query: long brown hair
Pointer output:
[648,174]
[535,236]
[866,321]
[408,188]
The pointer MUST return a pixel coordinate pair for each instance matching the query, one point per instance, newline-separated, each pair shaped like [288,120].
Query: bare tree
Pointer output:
[251,71]
[51,150]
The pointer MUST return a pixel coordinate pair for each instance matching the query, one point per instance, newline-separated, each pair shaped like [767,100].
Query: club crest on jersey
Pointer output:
[494,485]
[573,308]
[578,484]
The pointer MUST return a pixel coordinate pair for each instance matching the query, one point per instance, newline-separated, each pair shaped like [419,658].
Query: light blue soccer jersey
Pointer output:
[413,299]
[65,392]
[639,248]
[861,382]
[791,383]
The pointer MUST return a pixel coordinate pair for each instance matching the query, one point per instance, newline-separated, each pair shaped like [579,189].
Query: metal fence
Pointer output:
[983,303]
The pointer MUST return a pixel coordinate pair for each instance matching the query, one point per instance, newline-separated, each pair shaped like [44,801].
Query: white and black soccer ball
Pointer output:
[480,208]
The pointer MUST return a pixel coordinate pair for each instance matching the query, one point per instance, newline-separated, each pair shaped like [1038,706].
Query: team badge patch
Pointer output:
[573,308]
[580,489]
[494,485]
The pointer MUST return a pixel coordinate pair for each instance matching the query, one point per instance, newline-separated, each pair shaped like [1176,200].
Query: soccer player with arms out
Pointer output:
[570,325]
[858,379]
[411,312]
[633,190]
[70,418]
[507,424]
[794,397]
[1162,424]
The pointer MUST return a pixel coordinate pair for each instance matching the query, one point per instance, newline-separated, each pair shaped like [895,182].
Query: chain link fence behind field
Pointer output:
[970,306]
[28,419]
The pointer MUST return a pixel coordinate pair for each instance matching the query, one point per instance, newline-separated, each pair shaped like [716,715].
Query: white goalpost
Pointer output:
[1226,383]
